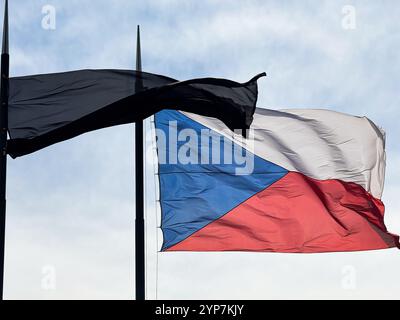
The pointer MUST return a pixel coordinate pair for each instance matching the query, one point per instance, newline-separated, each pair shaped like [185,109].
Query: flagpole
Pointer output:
[3,142]
[139,182]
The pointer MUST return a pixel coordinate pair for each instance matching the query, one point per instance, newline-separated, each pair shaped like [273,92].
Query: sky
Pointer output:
[70,207]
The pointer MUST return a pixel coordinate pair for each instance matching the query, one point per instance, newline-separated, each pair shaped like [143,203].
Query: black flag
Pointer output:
[46,109]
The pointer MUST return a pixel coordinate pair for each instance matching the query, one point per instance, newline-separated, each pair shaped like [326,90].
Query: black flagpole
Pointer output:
[139,163]
[3,142]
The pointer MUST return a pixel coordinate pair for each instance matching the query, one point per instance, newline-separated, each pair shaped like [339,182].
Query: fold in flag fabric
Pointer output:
[50,108]
[315,186]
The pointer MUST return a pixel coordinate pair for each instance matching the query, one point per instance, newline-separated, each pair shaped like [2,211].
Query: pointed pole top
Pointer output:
[138,51]
[5,29]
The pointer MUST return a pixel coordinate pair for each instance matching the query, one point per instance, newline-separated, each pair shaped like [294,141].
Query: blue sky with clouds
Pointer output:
[71,206]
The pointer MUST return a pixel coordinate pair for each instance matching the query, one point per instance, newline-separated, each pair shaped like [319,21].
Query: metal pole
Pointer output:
[3,142]
[139,163]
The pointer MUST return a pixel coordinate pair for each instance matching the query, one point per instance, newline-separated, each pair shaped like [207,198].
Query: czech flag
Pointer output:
[304,181]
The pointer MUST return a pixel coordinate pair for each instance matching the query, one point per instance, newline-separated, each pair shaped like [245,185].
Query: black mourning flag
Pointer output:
[46,109]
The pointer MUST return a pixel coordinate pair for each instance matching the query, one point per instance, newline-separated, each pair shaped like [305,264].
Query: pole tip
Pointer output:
[138,51]
[5,29]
